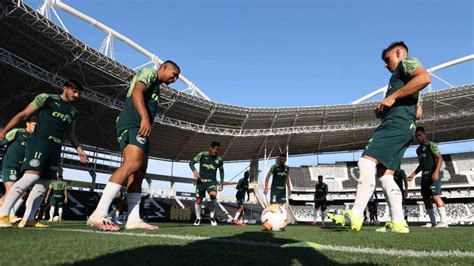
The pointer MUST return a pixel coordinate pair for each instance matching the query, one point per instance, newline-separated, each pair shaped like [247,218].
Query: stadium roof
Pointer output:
[36,55]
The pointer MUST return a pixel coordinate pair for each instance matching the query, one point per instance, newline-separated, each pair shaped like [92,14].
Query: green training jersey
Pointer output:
[54,117]
[402,115]
[208,166]
[279,173]
[427,158]
[243,186]
[399,177]
[321,190]
[58,187]
[15,140]
[129,116]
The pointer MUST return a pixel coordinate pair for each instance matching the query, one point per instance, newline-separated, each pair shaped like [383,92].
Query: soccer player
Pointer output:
[280,181]
[209,162]
[56,119]
[373,209]
[430,162]
[58,190]
[321,191]
[401,179]
[242,188]
[15,140]
[390,140]
[133,128]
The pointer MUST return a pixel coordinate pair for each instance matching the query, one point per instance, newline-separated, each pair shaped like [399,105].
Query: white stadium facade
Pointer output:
[188,120]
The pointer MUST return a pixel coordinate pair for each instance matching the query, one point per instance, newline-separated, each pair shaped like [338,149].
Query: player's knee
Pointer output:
[198,201]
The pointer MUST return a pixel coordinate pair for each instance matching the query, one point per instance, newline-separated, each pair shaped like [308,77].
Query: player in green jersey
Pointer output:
[280,181]
[206,181]
[133,128]
[242,188]
[58,191]
[15,141]
[430,162]
[390,140]
[56,119]
[321,191]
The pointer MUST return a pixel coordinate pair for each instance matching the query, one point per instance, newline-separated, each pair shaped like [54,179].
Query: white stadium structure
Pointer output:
[188,120]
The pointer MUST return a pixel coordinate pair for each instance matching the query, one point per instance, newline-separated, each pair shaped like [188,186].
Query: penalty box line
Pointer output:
[319,247]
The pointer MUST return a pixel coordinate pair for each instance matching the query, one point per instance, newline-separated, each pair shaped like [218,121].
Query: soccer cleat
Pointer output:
[102,223]
[32,223]
[441,225]
[5,222]
[346,219]
[313,223]
[197,222]
[14,219]
[213,222]
[394,227]
[428,225]
[236,222]
[140,225]
[323,225]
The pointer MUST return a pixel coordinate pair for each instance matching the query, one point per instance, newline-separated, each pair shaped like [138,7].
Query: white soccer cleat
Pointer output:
[428,225]
[140,224]
[213,222]
[197,222]
[442,225]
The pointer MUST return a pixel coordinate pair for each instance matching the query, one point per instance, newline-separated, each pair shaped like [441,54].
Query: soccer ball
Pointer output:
[56,219]
[274,218]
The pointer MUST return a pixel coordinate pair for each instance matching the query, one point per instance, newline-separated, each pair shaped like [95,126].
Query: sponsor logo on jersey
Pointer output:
[34,162]
[63,117]
[208,166]
[141,140]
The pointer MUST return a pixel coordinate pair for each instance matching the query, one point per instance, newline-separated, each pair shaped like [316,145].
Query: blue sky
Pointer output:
[265,53]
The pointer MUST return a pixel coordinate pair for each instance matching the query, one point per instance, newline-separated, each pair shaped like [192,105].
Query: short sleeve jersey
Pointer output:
[399,176]
[58,187]
[279,174]
[243,186]
[208,166]
[54,117]
[426,157]
[402,115]
[321,190]
[129,116]
[15,140]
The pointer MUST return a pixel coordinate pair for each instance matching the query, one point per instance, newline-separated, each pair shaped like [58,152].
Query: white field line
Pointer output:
[362,250]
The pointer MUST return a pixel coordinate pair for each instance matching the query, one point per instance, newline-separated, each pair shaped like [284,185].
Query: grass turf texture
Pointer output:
[184,244]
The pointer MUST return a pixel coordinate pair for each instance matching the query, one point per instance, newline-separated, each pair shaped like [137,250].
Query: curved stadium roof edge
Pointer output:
[186,123]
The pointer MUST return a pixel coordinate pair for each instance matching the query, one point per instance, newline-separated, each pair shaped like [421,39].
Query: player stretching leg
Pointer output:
[390,140]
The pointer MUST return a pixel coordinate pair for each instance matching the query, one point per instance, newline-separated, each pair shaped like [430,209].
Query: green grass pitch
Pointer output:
[72,242]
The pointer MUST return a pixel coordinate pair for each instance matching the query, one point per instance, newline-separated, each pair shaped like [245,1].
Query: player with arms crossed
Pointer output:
[390,140]
[133,128]
[209,162]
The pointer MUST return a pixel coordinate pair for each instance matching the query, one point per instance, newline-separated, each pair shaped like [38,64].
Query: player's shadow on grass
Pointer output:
[249,248]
